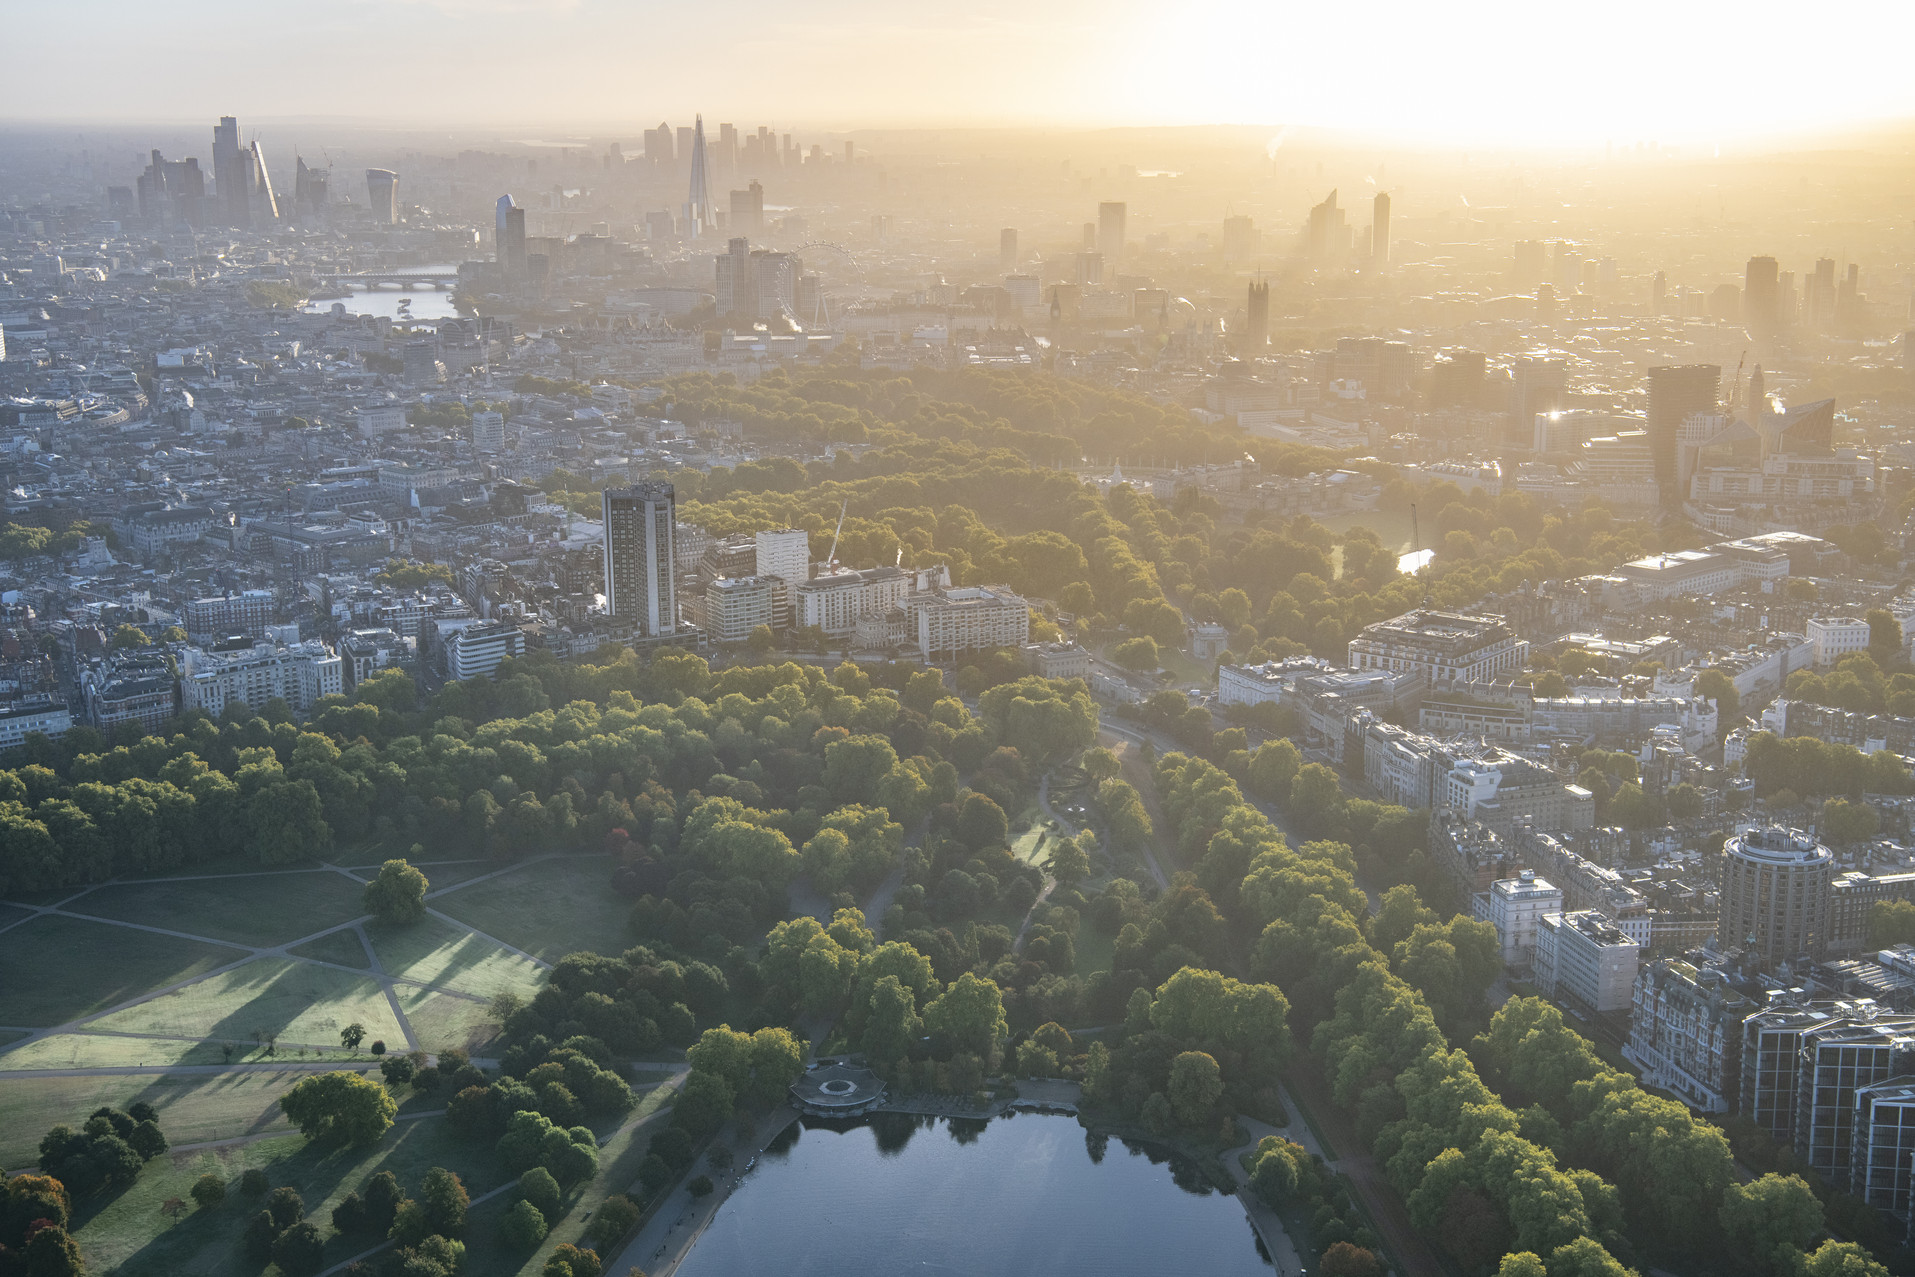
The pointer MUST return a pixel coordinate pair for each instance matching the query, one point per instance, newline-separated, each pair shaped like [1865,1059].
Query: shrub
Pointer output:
[254,1182]
[378,1046]
[209,1190]
[701,1186]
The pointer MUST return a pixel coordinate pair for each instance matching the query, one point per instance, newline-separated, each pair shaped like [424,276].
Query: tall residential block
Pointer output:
[639,532]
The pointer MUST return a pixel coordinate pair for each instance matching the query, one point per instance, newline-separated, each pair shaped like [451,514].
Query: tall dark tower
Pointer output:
[1007,249]
[640,546]
[228,183]
[1675,394]
[1380,231]
[1256,329]
[1759,295]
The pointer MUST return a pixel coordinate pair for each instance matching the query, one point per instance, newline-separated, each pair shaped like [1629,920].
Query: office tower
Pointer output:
[1759,297]
[261,202]
[735,285]
[1676,394]
[382,189]
[1090,268]
[784,557]
[1527,270]
[1758,403]
[1240,239]
[698,210]
[1848,298]
[488,431]
[1007,250]
[1256,329]
[1536,385]
[1380,231]
[119,203]
[727,160]
[1818,295]
[172,192]
[309,189]
[658,146]
[227,184]
[1775,893]
[683,147]
[1329,237]
[512,257]
[639,531]
[747,211]
[1110,231]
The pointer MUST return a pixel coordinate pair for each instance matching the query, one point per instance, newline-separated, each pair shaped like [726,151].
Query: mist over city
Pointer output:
[1096,638]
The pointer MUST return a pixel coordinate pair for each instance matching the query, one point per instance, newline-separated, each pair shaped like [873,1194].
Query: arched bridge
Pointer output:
[438,279]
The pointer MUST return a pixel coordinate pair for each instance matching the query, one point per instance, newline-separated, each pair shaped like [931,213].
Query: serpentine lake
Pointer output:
[943,1197]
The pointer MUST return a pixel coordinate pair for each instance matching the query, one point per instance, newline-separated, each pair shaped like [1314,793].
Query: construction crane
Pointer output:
[832,557]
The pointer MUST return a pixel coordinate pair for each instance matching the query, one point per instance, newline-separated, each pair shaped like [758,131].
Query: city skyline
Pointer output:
[1432,75]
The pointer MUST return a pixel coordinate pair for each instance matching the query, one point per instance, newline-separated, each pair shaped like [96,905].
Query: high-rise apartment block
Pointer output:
[1111,218]
[1775,893]
[639,581]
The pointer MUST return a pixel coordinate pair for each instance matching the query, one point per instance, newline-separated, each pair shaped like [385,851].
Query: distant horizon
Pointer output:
[1485,73]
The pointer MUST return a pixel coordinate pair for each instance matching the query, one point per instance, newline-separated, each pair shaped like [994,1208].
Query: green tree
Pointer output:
[300,1251]
[539,1188]
[1891,922]
[1841,1259]
[1139,653]
[1196,1084]
[339,1106]
[569,1261]
[1070,858]
[969,1017]
[522,1227]
[130,636]
[1718,687]
[1846,823]
[1771,1222]
[1885,642]
[209,1190]
[704,1104]
[51,1252]
[398,894]
[352,1035]
[445,1201]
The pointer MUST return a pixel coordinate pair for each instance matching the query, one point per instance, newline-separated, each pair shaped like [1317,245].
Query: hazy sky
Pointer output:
[1466,70]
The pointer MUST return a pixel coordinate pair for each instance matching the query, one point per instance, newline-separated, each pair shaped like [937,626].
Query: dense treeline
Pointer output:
[1548,1152]
[545,757]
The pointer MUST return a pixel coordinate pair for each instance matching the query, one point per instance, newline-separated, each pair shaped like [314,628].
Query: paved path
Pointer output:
[1406,1246]
[681,1219]
[1124,739]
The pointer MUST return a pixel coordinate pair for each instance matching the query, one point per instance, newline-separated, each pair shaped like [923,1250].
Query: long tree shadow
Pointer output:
[61,969]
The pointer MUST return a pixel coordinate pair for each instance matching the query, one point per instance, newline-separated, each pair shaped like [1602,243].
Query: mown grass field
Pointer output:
[59,969]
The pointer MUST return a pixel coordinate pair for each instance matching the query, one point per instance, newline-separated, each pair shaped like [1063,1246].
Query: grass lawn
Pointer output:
[300,1003]
[259,909]
[193,1106]
[97,1050]
[438,953]
[58,969]
[12,913]
[441,1021]
[342,947]
[549,909]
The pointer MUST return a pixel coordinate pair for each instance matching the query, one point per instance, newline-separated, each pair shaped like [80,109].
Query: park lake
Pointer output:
[899,1194]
